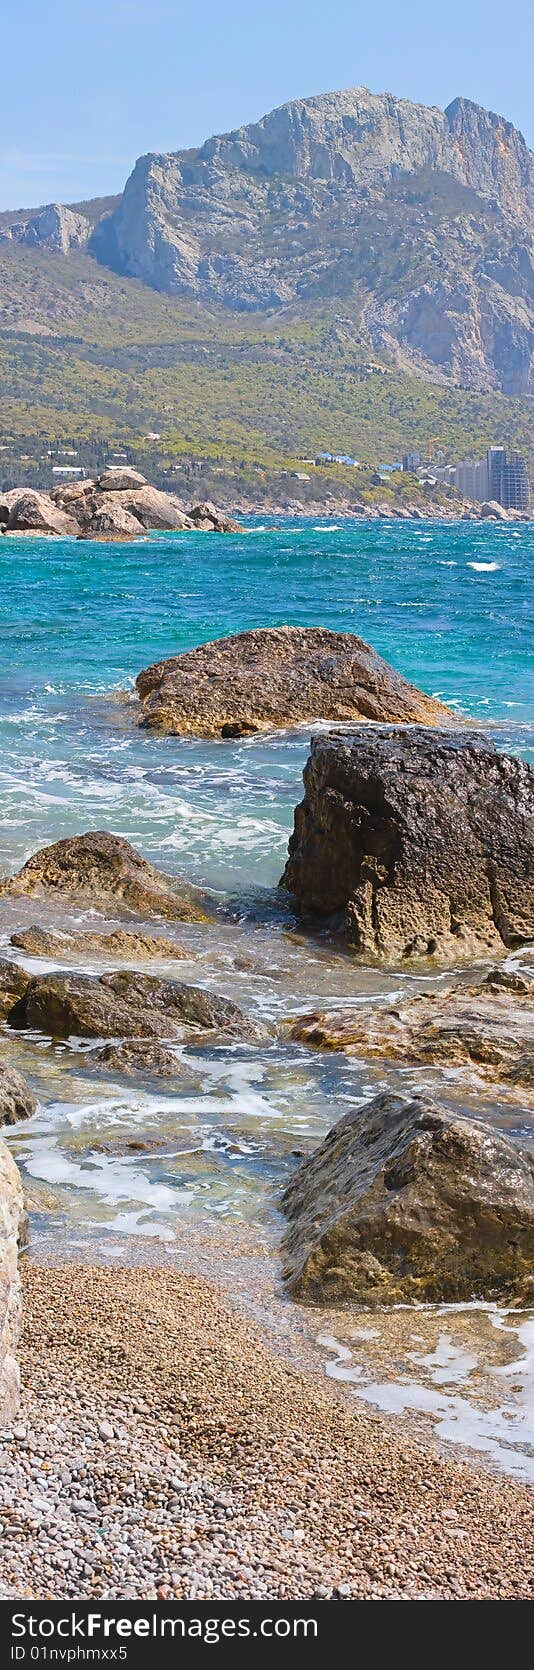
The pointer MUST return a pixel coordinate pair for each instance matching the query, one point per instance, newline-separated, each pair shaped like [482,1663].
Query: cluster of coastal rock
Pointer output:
[414,847]
[431,507]
[119,504]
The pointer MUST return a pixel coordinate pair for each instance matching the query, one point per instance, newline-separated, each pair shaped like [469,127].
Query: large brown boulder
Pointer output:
[17,1101]
[488,1028]
[124,1004]
[403,1202]
[278,676]
[12,1222]
[33,512]
[107,873]
[416,842]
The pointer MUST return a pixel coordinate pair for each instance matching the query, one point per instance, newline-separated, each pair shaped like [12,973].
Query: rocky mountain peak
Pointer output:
[418,221]
[52,227]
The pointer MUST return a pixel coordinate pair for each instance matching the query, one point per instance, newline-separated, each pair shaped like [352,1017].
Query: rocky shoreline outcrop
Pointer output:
[120,504]
[487,1027]
[276,677]
[404,1202]
[415,843]
[105,871]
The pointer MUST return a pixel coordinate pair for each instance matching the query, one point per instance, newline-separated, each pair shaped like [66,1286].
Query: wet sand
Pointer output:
[162,1448]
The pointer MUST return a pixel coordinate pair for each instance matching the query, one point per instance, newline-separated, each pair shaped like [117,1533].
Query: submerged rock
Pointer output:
[124,1004]
[416,842]
[44,942]
[488,1027]
[139,1057]
[278,676]
[17,1101]
[403,1202]
[105,870]
[12,1222]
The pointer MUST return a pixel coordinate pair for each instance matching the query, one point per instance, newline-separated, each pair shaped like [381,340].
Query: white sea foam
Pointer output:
[484,567]
[505,1433]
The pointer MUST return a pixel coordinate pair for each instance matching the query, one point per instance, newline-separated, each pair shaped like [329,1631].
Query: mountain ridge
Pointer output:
[418,221]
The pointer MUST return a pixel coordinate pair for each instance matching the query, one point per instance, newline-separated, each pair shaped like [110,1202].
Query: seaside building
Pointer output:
[500,476]
[338,458]
[515,483]
[411,462]
[471,479]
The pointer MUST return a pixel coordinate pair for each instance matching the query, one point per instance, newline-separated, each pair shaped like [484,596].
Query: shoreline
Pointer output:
[298,514]
[207,1467]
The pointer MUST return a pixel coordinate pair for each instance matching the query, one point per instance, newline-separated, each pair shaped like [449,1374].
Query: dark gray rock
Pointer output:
[416,842]
[403,1202]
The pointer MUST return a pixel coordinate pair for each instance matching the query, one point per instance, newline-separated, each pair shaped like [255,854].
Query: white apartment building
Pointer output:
[471,479]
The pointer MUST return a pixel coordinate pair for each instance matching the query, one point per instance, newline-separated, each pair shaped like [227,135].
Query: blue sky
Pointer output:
[86,89]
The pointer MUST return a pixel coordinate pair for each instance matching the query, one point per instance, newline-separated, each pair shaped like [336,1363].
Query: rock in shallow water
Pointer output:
[124,1004]
[135,1058]
[13,982]
[420,842]
[45,942]
[404,1202]
[274,677]
[105,870]
[17,1101]
[488,1027]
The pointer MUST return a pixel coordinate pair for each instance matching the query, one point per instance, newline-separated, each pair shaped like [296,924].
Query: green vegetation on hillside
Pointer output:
[86,353]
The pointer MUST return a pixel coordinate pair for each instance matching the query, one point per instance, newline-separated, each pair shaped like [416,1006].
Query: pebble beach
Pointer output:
[162,1450]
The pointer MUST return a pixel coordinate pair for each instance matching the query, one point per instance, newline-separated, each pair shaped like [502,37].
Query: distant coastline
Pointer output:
[121,505]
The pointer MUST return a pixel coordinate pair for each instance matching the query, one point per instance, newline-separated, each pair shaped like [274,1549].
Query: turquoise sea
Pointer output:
[451,608]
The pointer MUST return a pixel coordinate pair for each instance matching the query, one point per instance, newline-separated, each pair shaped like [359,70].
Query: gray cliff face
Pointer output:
[420,218]
[53,227]
[417,222]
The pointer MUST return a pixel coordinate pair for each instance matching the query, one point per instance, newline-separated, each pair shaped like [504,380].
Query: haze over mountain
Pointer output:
[417,222]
